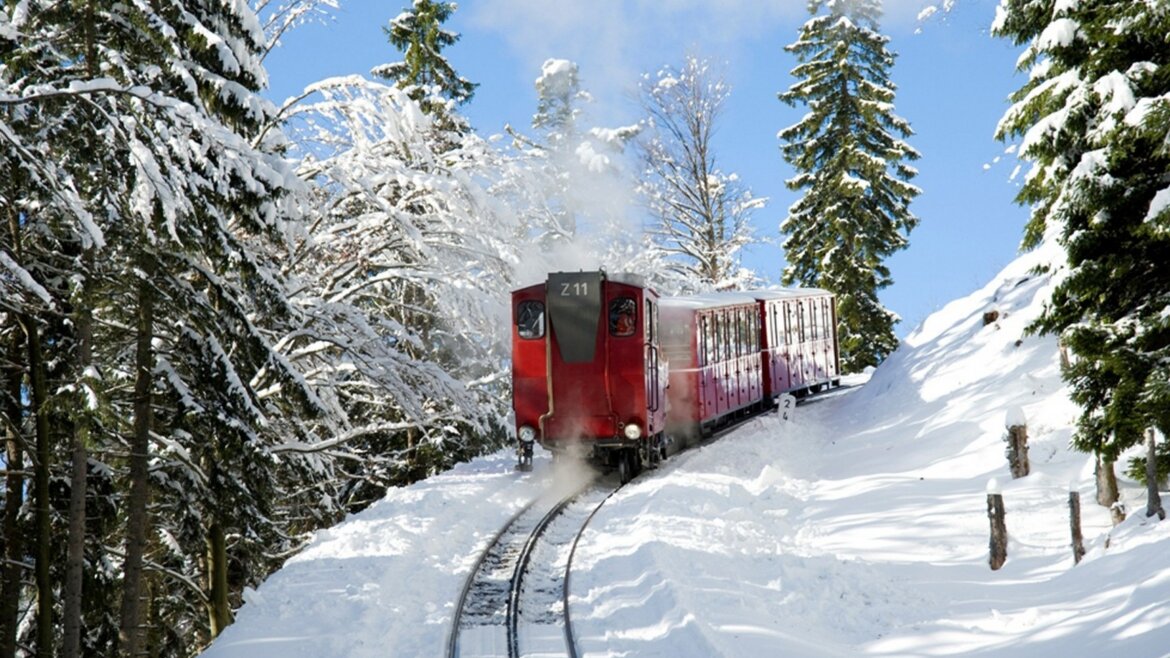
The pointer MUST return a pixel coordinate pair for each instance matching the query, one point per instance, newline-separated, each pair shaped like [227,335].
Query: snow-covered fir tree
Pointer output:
[559,100]
[1094,121]
[580,172]
[701,213]
[424,72]
[850,159]
[143,224]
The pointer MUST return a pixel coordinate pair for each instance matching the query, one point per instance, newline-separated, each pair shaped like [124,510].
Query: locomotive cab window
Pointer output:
[622,317]
[530,319]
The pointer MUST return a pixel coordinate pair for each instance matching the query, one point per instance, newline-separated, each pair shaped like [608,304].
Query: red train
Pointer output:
[604,366]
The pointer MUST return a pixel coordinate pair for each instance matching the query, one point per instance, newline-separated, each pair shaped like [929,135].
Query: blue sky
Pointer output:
[953,79]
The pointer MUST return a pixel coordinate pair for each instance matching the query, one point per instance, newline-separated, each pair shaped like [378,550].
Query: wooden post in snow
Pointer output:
[1074,522]
[995,512]
[1153,499]
[1017,442]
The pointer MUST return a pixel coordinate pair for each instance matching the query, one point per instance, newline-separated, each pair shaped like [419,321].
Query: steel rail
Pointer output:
[513,614]
[570,639]
[453,639]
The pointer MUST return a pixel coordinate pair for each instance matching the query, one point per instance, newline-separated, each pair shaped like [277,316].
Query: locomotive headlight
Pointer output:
[632,431]
[527,434]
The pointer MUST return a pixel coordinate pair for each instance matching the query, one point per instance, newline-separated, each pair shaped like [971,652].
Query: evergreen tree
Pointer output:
[579,171]
[701,212]
[559,99]
[1094,121]
[424,73]
[138,197]
[849,155]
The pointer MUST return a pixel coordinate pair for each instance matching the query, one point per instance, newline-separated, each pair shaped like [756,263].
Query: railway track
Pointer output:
[515,603]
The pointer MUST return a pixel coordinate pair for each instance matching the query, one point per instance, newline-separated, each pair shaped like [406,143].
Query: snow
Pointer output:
[857,528]
[1060,33]
[26,279]
[590,159]
[1158,205]
[557,77]
[1015,417]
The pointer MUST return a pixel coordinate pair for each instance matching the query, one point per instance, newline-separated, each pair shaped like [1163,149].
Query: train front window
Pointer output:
[530,319]
[622,317]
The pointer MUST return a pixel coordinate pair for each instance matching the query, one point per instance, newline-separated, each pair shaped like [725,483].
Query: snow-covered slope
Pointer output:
[857,528]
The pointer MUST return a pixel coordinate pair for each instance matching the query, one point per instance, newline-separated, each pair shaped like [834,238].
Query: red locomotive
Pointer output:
[601,365]
[586,369]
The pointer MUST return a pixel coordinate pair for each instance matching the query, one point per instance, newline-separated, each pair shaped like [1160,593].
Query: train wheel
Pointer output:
[625,470]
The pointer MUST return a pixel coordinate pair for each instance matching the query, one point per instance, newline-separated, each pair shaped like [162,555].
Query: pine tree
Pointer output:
[424,73]
[577,169]
[702,214]
[849,155]
[147,203]
[1094,121]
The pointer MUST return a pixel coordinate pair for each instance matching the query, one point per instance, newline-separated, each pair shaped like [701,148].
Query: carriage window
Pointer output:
[703,342]
[741,327]
[752,333]
[622,316]
[747,333]
[789,321]
[651,324]
[775,326]
[728,335]
[530,319]
[721,335]
[736,335]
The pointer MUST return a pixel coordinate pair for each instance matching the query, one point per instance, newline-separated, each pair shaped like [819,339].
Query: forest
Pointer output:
[225,323]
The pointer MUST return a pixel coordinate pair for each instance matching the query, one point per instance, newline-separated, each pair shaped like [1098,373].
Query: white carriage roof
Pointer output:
[785,293]
[709,300]
[719,299]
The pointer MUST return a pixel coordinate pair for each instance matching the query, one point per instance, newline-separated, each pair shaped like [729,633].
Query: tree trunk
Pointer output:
[1107,493]
[79,457]
[75,557]
[219,609]
[1153,499]
[39,393]
[1074,522]
[14,555]
[130,634]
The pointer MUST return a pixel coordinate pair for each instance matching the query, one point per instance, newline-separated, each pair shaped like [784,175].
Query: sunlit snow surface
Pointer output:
[857,529]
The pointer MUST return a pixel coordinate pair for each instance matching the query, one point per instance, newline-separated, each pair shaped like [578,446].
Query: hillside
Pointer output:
[857,528]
